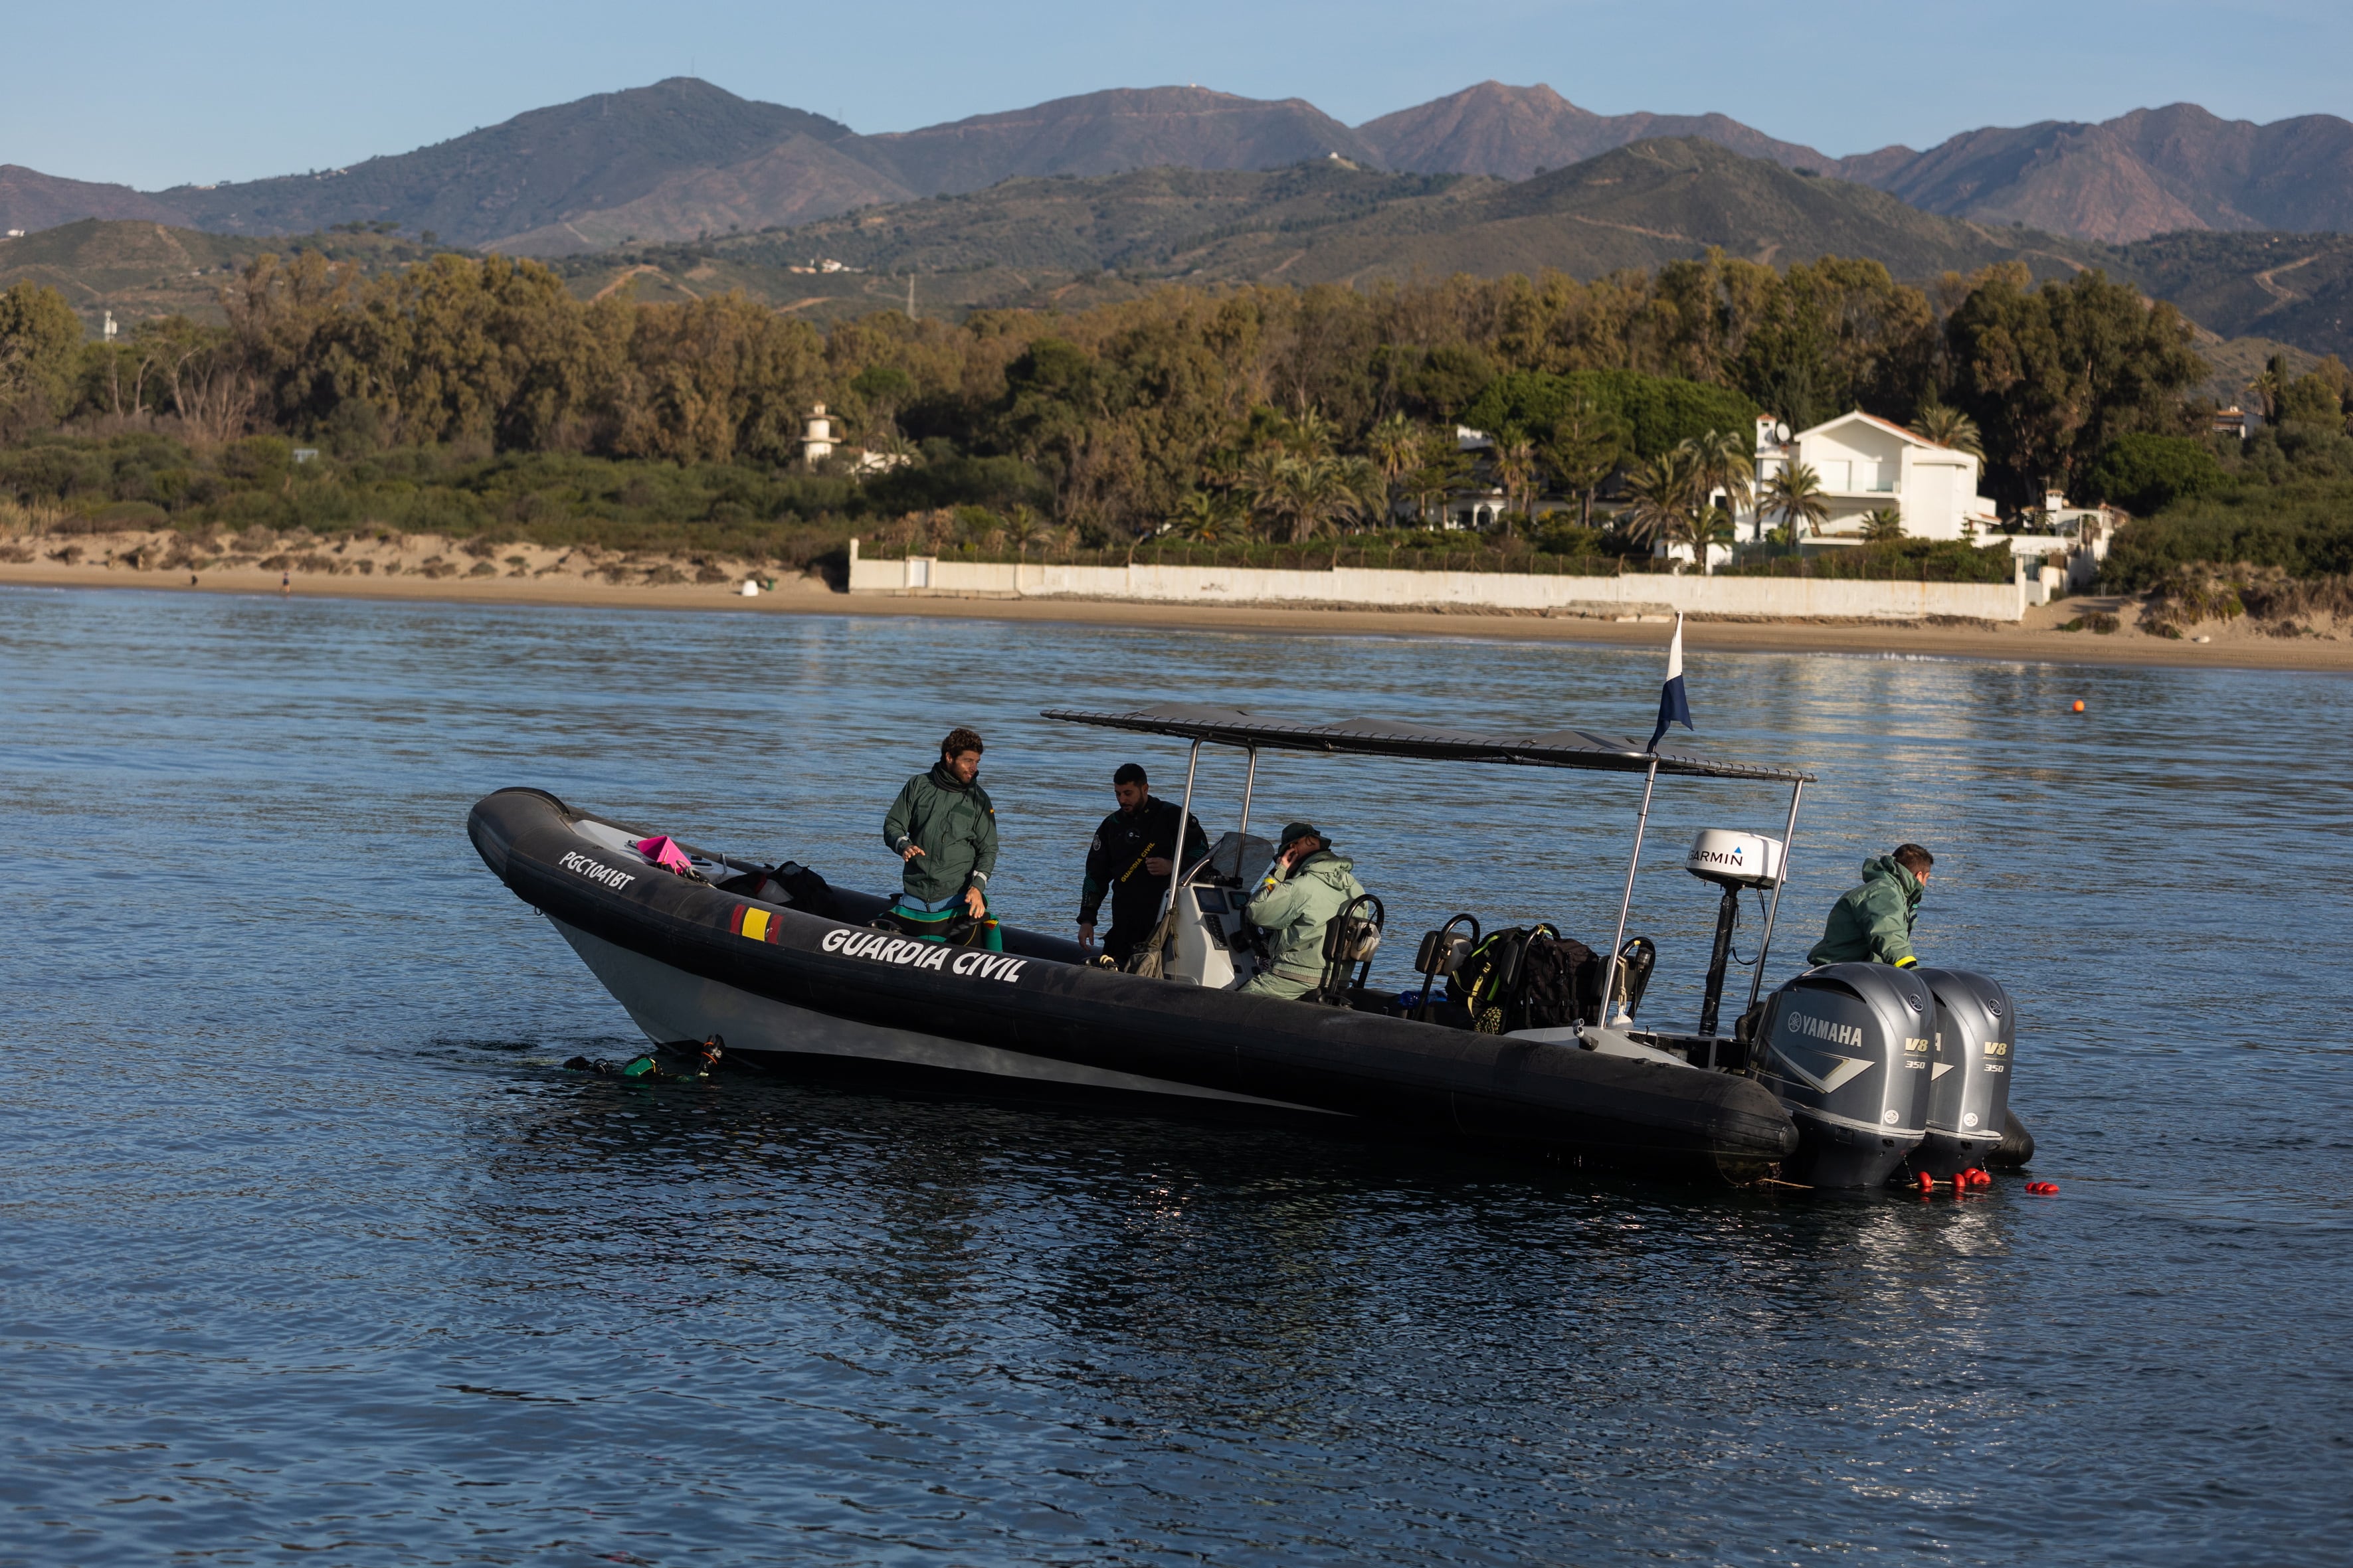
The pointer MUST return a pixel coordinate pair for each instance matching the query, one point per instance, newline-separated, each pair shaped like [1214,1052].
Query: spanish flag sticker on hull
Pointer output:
[757,925]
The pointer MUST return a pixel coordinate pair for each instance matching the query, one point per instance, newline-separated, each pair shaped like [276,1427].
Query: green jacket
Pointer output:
[955,826]
[1872,923]
[1297,907]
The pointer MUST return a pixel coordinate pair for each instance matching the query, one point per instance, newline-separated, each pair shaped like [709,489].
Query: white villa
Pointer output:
[1864,463]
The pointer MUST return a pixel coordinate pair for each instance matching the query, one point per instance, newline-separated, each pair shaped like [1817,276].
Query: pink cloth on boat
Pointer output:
[665,853]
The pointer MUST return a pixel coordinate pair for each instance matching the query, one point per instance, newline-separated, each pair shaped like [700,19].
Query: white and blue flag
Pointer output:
[1675,708]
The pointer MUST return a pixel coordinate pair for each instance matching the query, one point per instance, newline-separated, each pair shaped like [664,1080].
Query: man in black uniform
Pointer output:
[1129,860]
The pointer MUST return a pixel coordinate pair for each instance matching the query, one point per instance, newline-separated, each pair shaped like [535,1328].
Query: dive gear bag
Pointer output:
[1528,977]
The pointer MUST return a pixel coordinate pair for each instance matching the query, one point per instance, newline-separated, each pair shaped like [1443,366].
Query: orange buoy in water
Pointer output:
[2079,705]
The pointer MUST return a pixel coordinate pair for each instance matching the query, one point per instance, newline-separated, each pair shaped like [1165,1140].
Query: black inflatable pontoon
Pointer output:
[798,991]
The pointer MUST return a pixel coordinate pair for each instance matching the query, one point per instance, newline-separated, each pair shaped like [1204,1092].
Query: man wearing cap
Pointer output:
[1302,893]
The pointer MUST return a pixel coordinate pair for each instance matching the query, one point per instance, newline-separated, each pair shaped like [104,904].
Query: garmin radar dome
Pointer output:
[1732,861]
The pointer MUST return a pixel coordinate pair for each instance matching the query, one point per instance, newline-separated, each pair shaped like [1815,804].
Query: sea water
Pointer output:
[310,1249]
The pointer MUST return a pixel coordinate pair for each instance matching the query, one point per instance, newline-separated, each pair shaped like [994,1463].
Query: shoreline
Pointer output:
[2035,641]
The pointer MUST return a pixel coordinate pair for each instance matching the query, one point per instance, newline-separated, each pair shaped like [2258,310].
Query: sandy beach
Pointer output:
[429,569]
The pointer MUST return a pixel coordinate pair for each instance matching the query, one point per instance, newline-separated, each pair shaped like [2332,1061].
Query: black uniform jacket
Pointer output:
[1115,863]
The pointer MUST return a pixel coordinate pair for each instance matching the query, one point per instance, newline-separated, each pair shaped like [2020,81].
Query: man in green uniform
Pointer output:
[1872,923]
[944,830]
[1301,892]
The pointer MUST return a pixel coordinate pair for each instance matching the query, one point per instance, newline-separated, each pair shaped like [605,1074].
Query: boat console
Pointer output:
[1215,946]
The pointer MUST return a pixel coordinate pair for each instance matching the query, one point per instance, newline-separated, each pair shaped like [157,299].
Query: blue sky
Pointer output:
[153,94]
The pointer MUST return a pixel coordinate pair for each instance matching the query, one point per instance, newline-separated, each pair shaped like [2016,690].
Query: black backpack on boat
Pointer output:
[1528,977]
[1560,984]
[791,884]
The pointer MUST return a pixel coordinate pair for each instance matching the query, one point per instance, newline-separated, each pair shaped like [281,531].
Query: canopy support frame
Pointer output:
[1176,866]
[1249,782]
[1773,906]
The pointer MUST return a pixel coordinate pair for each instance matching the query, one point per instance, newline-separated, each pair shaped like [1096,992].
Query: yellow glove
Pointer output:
[1907,962]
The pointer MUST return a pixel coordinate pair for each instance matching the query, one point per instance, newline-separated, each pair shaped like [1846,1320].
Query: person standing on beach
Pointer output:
[1128,860]
[943,827]
[1872,923]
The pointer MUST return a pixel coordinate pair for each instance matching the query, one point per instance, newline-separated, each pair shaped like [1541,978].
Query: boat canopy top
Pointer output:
[1385,737]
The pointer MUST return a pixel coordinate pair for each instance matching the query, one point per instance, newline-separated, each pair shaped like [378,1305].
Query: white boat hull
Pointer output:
[669,1004]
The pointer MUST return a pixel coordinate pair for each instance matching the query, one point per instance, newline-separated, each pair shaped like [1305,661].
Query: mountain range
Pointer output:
[1072,242]
[1327,221]
[682,159]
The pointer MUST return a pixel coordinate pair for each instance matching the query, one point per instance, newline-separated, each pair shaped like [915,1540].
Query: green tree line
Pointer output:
[1268,411]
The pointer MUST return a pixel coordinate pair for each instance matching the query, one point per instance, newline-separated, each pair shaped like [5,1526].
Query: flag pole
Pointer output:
[1618,942]
[1675,708]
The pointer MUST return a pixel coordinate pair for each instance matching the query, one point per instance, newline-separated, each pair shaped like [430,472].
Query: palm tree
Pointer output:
[1715,527]
[2271,387]
[1022,530]
[1309,436]
[1221,470]
[1723,462]
[1795,493]
[1949,426]
[1665,497]
[1514,458]
[1261,484]
[1882,525]
[1395,444]
[1369,491]
[1203,517]
[1309,493]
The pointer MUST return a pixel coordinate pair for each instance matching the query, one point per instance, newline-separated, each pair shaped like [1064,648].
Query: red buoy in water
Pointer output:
[2079,705]
[1927,1184]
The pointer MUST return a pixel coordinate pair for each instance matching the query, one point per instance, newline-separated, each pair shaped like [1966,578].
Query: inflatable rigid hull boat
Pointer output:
[1848,1076]
[800,991]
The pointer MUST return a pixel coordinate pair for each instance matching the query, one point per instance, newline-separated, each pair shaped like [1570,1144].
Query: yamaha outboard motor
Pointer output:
[1969,1073]
[1847,1049]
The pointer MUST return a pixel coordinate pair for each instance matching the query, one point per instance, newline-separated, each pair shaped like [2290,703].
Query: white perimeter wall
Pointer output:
[1792,598]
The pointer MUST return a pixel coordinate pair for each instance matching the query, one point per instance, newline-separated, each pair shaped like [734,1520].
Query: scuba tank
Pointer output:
[1847,1049]
[1968,1074]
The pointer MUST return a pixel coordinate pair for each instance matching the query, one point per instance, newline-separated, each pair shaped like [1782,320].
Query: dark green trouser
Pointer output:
[932,926]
